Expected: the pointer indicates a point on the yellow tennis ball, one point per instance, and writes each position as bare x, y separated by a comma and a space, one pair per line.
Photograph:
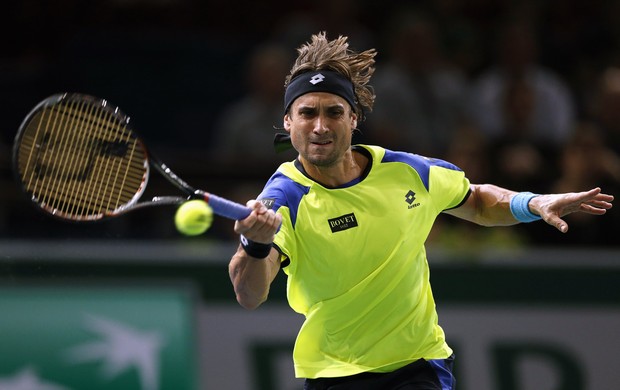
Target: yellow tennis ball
193, 217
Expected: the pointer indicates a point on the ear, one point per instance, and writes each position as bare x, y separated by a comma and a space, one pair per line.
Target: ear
287, 123
354, 121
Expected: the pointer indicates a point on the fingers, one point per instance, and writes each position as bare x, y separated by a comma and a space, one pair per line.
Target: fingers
592, 202
602, 201
265, 227
561, 226
595, 208
256, 205
556, 221
261, 225
595, 202
595, 195
594, 191
585, 196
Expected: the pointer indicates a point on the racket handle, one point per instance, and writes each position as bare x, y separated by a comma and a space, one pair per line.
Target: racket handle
227, 208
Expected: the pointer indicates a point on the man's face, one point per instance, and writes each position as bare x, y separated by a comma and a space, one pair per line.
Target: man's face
321, 126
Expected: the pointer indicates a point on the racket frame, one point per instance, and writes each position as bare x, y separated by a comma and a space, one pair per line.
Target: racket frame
221, 206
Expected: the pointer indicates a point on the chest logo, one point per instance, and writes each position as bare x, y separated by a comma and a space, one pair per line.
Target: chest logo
343, 222
411, 200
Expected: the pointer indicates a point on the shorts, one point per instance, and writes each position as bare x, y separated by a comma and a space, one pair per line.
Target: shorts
419, 375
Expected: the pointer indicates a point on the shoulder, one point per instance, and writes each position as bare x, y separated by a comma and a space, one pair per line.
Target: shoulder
422, 165
285, 187
418, 162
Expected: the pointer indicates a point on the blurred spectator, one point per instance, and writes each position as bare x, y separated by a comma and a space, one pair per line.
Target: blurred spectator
422, 95
605, 107
585, 160
546, 102
517, 159
593, 155
461, 27
576, 40
246, 129
469, 151
336, 17
525, 110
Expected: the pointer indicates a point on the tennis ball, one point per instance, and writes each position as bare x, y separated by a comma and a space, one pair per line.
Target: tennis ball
193, 217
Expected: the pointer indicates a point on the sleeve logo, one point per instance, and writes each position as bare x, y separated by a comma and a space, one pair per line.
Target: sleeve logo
268, 202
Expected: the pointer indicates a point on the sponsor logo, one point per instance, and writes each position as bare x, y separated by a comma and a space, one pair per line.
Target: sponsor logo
268, 202
317, 78
411, 200
343, 222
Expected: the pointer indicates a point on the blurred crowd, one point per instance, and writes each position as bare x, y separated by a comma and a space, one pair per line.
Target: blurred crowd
522, 94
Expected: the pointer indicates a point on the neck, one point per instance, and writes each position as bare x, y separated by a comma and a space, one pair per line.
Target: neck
350, 167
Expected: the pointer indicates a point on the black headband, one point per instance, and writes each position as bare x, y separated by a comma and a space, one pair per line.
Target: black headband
320, 81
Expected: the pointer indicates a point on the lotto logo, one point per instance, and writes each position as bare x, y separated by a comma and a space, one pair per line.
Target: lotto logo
317, 78
410, 198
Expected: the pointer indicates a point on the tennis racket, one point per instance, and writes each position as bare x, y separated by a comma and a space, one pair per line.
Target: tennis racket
78, 159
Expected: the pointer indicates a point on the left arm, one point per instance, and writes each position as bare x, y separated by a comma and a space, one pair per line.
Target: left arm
489, 205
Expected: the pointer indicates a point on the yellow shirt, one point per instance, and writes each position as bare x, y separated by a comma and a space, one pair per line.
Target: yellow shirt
356, 262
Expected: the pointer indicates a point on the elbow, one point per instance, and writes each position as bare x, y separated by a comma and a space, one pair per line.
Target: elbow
249, 301
484, 222
251, 285
248, 296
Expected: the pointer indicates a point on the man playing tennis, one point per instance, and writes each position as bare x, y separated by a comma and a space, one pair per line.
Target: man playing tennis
347, 224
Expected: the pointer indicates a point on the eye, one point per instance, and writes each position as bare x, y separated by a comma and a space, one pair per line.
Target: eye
307, 112
335, 112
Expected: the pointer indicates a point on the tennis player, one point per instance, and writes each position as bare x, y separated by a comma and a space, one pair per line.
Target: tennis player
347, 224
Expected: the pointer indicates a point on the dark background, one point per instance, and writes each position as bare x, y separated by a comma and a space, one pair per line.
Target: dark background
174, 66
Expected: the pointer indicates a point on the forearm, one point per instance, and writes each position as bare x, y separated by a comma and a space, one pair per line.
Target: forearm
487, 205
494, 205
256, 263
251, 277
490, 205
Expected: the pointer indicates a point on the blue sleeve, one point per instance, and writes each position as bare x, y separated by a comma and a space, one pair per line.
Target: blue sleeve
421, 164
281, 191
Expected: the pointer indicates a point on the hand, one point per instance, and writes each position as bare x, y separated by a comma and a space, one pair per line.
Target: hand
555, 206
261, 225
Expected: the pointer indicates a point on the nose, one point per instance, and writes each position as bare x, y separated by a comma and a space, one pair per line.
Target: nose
320, 125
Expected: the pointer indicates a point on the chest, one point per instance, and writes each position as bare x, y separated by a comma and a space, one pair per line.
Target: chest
367, 220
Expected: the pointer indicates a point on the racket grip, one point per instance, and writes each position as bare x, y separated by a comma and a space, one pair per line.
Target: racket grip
227, 208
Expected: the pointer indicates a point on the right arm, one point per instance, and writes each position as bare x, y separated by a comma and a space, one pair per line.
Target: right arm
489, 205
251, 276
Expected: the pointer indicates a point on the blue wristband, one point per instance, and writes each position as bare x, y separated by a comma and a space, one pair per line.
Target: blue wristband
255, 249
519, 207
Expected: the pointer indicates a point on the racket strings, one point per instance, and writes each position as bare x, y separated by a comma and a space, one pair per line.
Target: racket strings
101, 183
79, 159
127, 177
62, 195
